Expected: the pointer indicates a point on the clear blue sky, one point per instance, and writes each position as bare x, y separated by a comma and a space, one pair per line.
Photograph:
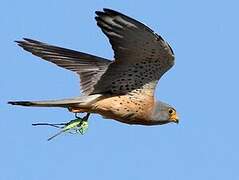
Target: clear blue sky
203, 85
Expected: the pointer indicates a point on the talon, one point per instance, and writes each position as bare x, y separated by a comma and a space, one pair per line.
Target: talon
76, 116
86, 117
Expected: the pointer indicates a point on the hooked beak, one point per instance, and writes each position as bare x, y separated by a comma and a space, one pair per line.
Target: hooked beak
174, 118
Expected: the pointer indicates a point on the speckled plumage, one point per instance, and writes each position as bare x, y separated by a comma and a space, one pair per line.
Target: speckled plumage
122, 89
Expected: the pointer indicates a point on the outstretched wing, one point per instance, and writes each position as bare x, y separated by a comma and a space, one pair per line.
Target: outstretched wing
89, 67
141, 56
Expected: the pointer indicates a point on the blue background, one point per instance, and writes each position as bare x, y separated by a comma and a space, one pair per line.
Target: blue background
203, 86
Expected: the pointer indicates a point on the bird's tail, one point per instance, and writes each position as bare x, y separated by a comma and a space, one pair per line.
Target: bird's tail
82, 101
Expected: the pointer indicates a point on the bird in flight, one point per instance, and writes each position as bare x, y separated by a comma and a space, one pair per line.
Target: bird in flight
121, 89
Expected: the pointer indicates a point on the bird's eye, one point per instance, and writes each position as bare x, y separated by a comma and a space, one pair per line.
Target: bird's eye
171, 111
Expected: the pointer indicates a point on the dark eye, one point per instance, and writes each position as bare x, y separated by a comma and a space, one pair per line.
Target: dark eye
170, 111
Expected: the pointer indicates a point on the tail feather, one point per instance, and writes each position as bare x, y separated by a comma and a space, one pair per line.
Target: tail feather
21, 103
82, 101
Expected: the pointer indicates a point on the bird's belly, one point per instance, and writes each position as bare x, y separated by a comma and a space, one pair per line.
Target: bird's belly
125, 109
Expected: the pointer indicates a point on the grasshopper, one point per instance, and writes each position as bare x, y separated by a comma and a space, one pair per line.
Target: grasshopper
77, 125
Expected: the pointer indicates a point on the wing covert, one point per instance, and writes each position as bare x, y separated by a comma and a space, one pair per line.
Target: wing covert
141, 56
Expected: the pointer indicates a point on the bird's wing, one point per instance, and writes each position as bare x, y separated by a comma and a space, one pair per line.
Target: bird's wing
141, 56
89, 67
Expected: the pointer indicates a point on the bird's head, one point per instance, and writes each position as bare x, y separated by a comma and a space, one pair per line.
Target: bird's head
164, 113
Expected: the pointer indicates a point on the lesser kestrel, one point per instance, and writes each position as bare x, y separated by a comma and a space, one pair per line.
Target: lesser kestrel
121, 89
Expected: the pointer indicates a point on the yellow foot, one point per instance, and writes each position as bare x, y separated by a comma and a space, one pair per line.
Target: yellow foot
75, 110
